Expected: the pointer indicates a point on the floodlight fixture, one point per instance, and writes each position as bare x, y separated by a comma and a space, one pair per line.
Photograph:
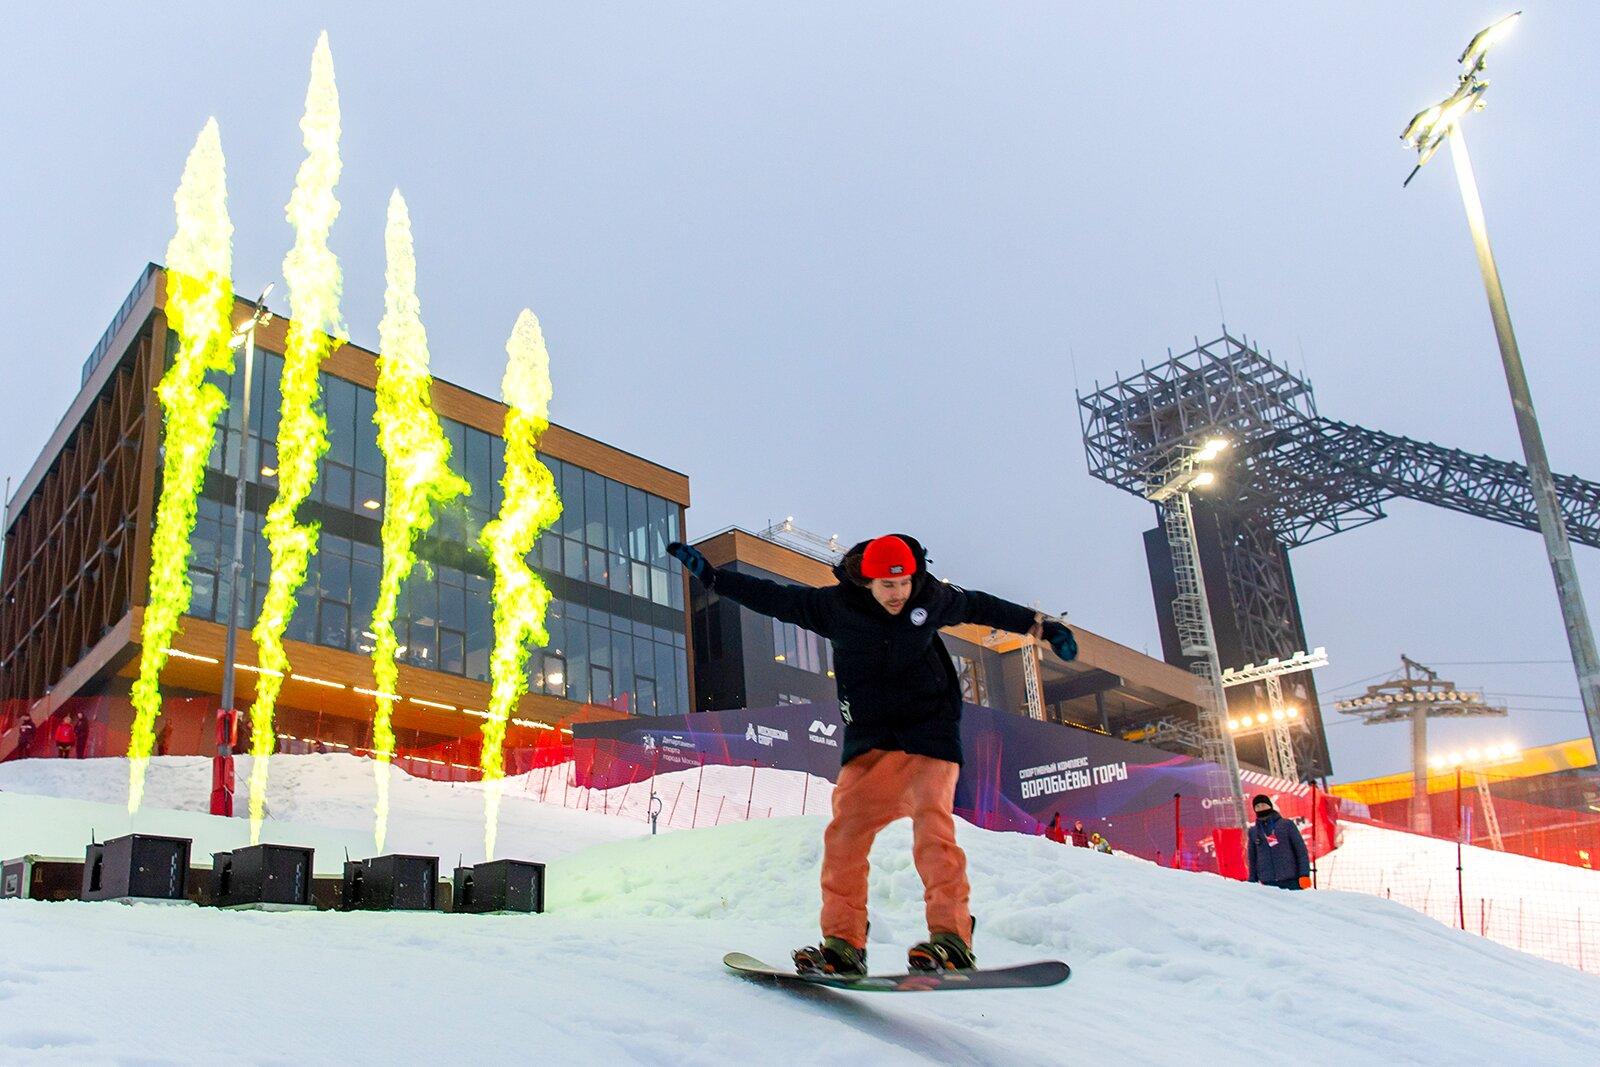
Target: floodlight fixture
1477, 50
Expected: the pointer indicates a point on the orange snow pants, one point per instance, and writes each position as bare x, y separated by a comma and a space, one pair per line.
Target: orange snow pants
874, 790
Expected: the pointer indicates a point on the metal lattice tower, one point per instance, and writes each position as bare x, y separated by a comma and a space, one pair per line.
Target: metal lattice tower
1277, 722
1196, 640
826, 549
1292, 477
1030, 679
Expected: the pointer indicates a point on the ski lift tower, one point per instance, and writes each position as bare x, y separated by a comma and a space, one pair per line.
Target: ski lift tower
1417, 697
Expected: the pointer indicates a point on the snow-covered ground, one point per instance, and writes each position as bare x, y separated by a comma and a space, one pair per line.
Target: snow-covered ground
625, 967
332, 791
1549, 909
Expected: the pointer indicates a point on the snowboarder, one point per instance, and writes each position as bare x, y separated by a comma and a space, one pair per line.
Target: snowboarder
66, 736
1099, 844
1055, 831
1080, 836
900, 699
1277, 853
80, 730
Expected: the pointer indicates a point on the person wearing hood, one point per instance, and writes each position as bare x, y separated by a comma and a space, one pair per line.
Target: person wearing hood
1079, 836
1055, 831
900, 699
1277, 853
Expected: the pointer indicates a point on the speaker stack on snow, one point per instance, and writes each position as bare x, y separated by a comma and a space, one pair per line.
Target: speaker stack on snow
498, 887
264, 877
41, 878
137, 867
390, 883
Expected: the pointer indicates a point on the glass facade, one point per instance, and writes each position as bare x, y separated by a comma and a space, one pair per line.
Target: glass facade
616, 624
801, 648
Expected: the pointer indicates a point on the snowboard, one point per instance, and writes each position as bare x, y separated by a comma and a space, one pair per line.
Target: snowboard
1022, 976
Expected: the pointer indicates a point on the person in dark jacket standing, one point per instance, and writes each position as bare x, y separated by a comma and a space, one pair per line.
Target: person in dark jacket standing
1080, 836
25, 730
1277, 852
900, 699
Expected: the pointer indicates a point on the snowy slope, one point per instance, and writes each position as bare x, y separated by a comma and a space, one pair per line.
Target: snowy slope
332, 791
1170, 967
1549, 909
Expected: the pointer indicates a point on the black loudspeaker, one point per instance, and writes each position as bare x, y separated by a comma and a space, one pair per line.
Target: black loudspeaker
390, 883
262, 876
499, 886
138, 866
38, 878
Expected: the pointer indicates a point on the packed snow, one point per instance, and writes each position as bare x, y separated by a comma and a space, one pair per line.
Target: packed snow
1549, 909
625, 967
333, 791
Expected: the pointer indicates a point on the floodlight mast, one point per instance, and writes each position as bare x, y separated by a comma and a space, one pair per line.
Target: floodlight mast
1426, 131
1169, 489
227, 715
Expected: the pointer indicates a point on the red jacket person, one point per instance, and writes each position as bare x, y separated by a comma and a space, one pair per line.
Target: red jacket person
900, 699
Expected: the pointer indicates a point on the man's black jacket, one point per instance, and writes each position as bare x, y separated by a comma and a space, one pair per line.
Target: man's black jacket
898, 689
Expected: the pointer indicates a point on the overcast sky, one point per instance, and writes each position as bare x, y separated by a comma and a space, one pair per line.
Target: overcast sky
848, 262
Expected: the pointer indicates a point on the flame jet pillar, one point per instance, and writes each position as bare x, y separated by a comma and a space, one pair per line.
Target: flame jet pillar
315, 329
198, 307
529, 507
417, 474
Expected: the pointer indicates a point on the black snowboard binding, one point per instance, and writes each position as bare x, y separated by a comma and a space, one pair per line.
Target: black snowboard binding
943, 952
834, 956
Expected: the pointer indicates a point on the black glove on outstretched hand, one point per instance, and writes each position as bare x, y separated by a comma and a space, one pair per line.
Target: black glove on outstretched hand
693, 562
1060, 638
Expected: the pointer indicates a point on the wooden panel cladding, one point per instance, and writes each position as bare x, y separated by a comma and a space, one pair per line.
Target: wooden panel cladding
356, 364
420, 689
732, 545
70, 567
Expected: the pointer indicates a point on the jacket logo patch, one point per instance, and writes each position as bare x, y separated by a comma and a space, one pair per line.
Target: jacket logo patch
919, 616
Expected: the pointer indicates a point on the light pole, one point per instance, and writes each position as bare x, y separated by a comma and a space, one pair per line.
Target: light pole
227, 714
1426, 131
1169, 489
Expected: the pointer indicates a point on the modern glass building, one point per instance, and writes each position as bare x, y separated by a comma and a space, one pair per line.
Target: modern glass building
618, 624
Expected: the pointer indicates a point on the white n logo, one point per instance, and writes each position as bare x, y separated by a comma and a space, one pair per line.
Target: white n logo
825, 729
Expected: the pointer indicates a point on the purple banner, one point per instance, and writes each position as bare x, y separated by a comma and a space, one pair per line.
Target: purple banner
1017, 772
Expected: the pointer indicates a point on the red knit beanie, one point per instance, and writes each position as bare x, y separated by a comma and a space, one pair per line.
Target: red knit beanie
888, 557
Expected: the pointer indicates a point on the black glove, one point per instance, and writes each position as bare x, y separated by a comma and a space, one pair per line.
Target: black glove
1061, 640
693, 562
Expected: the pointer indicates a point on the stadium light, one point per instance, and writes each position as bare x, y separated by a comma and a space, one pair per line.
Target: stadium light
227, 716
1426, 131
1472, 57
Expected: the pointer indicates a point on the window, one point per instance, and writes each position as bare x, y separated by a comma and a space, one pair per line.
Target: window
801, 648
616, 518
594, 509
478, 471
973, 687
